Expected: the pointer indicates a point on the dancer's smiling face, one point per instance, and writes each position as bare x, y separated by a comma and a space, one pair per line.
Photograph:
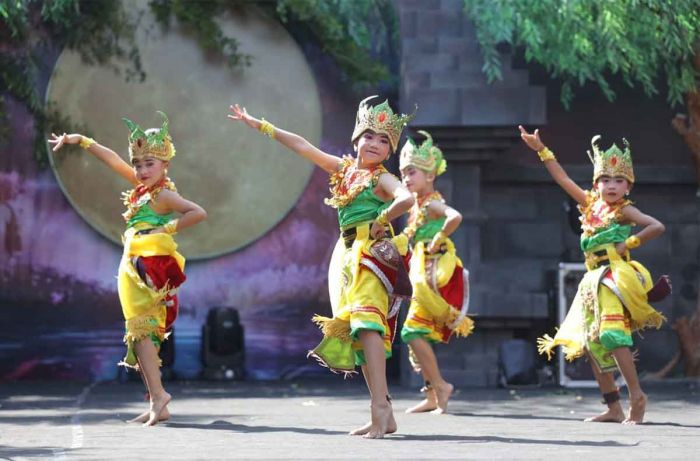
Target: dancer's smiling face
149, 171
373, 148
417, 180
612, 188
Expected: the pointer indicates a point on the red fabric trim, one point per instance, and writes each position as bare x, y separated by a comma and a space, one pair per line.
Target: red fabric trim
453, 292
163, 270
388, 272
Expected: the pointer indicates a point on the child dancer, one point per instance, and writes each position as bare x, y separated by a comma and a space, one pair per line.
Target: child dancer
437, 309
365, 266
612, 299
151, 269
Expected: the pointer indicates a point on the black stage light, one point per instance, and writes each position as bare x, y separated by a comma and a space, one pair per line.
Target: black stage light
223, 345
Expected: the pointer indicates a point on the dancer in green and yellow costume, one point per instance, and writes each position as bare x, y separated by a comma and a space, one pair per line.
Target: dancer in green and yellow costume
151, 269
366, 266
613, 298
438, 307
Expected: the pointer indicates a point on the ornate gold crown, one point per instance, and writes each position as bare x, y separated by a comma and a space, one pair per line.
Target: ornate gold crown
381, 120
426, 157
612, 162
154, 142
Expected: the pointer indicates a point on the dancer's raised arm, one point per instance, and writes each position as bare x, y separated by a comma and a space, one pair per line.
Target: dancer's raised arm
534, 142
329, 163
107, 155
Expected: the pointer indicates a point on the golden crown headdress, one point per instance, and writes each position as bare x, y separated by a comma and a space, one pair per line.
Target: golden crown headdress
612, 162
426, 157
381, 120
154, 142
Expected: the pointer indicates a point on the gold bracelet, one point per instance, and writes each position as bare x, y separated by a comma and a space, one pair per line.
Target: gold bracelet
267, 128
171, 227
383, 218
86, 142
632, 242
546, 154
439, 239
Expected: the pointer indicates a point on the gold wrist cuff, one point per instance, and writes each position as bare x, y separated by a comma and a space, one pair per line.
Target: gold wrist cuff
171, 227
632, 242
546, 154
267, 128
440, 238
86, 142
383, 217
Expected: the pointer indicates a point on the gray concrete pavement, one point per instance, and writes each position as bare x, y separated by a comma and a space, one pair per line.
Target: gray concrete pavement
72, 421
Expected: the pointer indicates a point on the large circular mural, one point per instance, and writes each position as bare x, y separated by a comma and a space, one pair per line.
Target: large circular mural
246, 182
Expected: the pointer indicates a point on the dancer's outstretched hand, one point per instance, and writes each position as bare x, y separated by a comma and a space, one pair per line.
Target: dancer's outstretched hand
58, 141
532, 140
239, 113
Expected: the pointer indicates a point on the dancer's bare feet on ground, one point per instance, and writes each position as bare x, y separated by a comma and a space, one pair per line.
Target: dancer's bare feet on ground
158, 403
382, 417
428, 404
362, 430
637, 408
367, 428
443, 393
613, 415
143, 417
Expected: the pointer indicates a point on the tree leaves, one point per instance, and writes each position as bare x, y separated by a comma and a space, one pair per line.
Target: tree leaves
647, 43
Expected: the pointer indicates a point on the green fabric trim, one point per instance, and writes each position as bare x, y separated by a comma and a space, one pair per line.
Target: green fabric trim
615, 233
357, 325
335, 353
613, 339
428, 230
145, 214
603, 359
409, 334
366, 207
361, 360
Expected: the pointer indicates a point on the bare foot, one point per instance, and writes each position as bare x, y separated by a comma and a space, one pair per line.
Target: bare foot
362, 430
637, 408
443, 393
382, 416
613, 415
143, 417
157, 405
427, 404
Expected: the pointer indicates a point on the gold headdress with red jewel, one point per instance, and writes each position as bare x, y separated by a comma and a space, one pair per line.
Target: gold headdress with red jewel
154, 142
427, 157
612, 162
380, 119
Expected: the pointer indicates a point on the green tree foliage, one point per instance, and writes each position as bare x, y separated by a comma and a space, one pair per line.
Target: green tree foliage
199, 18
99, 30
649, 43
353, 32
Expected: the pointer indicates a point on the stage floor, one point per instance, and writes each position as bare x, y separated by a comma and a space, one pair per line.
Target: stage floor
73, 421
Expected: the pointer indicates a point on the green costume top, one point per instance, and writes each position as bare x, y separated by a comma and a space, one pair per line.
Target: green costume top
138, 204
421, 227
600, 222
145, 214
352, 193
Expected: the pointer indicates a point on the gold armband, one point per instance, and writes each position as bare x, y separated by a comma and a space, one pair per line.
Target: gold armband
267, 128
546, 154
440, 238
86, 142
632, 242
171, 227
383, 218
